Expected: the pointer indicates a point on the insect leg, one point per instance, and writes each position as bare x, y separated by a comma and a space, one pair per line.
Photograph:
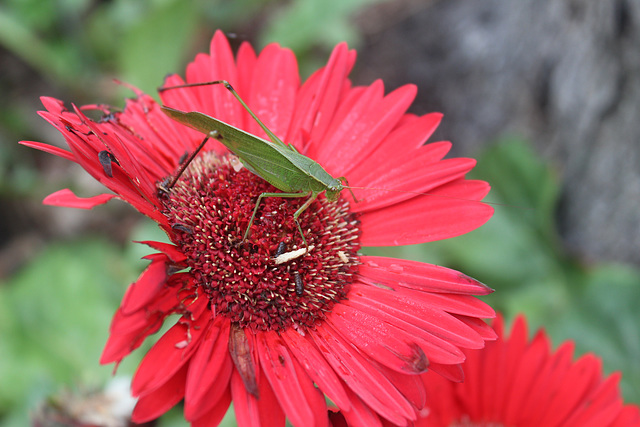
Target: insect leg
303, 208
343, 179
186, 162
283, 195
230, 88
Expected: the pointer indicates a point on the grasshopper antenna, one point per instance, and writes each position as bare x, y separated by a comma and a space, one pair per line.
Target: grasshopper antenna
444, 196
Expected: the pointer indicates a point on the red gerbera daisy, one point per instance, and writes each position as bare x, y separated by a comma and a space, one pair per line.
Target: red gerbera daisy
275, 338
520, 383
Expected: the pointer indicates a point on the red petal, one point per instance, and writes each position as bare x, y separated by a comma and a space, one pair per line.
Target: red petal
149, 153
56, 151
551, 374
152, 405
173, 350
130, 180
251, 411
67, 199
452, 304
215, 100
419, 276
352, 106
121, 343
377, 339
128, 331
360, 414
209, 371
217, 413
453, 373
302, 403
362, 128
480, 326
147, 287
521, 377
407, 137
573, 389
600, 407
318, 97
411, 386
628, 417
447, 211
54, 105
411, 177
436, 348
223, 66
273, 91
433, 322
317, 367
170, 250
177, 98
246, 60
363, 378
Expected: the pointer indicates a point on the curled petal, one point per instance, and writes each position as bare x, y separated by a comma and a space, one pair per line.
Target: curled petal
51, 149
67, 199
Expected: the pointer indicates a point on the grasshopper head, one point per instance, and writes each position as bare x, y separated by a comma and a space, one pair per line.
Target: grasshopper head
332, 193
334, 188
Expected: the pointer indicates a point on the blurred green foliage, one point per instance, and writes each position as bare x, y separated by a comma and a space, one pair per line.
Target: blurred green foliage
54, 321
54, 314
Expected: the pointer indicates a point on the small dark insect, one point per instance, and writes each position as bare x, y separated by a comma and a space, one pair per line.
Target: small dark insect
282, 246
163, 190
182, 227
299, 283
74, 131
183, 158
109, 117
106, 158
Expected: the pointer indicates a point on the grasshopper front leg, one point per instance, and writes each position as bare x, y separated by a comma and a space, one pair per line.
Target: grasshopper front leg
296, 215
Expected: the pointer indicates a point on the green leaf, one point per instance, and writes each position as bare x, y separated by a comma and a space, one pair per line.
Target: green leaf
305, 24
604, 320
156, 45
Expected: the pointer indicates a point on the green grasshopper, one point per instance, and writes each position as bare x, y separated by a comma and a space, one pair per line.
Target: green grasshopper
281, 165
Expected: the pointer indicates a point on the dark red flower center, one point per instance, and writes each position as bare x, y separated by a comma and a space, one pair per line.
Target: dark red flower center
271, 280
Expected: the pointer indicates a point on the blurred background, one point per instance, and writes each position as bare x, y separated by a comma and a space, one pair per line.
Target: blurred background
544, 93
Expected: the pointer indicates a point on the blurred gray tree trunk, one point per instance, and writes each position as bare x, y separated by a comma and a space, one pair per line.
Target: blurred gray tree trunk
563, 73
